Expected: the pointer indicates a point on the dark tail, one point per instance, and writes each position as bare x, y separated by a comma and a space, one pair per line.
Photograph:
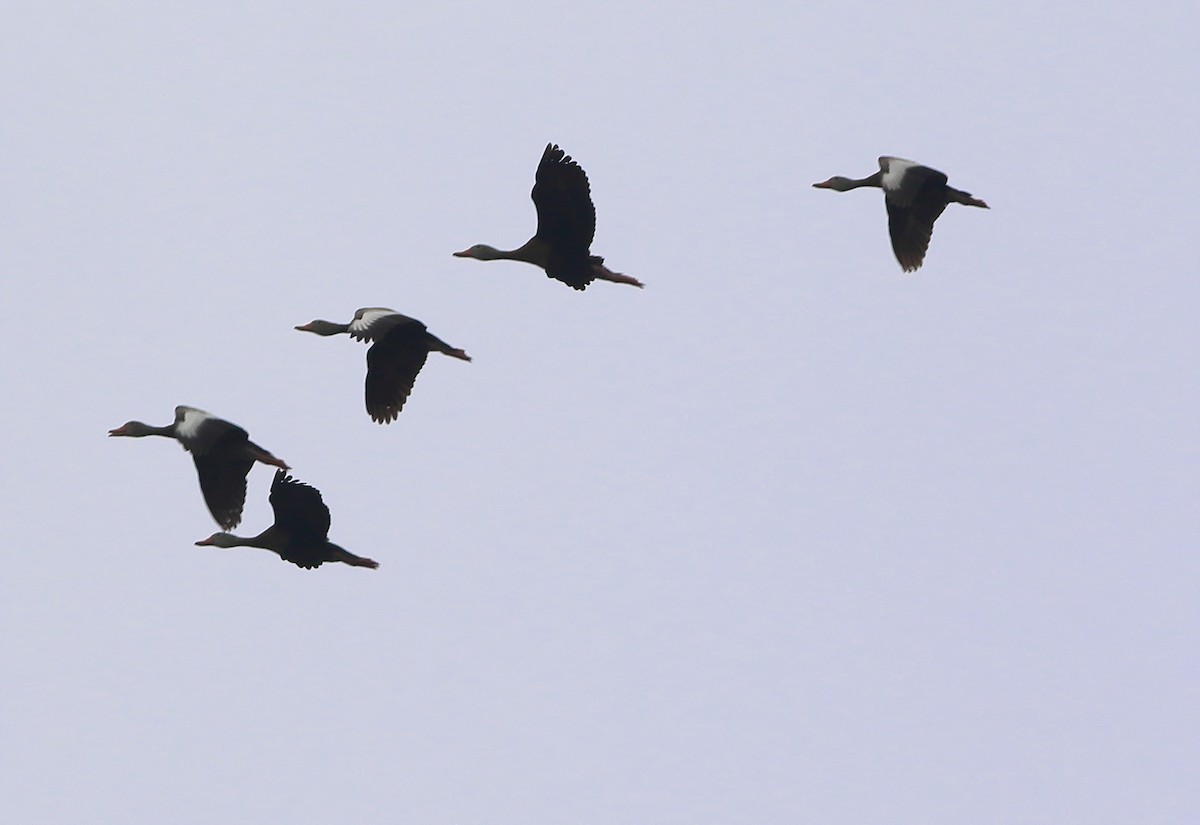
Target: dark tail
265, 456
343, 555
965, 198
599, 270
442, 347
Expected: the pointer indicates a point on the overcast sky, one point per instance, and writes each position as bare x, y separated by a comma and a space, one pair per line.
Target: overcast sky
787, 536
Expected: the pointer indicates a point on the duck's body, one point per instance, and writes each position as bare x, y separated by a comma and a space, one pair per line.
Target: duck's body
566, 225
399, 347
300, 534
223, 454
915, 197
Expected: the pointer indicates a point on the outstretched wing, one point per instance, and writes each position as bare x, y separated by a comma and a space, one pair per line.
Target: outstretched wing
218, 449
566, 216
223, 482
910, 229
299, 509
915, 199
392, 366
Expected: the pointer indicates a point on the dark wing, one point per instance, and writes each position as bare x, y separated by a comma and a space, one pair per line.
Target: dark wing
574, 270
566, 216
912, 210
223, 482
300, 512
222, 461
392, 366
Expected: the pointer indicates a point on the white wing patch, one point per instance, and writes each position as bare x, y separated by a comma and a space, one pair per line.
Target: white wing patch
894, 170
188, 421
365, 319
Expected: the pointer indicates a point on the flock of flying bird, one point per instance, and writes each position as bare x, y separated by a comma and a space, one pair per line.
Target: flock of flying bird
915, 197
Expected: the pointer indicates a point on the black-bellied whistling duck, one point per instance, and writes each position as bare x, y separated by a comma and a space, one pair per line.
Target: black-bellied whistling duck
566, 225
223, 453
915, 196
300, 533
399, 349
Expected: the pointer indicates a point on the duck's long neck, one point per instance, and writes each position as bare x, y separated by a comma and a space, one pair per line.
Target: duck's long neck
136, 429
530, 252
875, 180
229, 540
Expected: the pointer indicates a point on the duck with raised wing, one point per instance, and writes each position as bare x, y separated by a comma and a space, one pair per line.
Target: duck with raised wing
566, 225
300, 533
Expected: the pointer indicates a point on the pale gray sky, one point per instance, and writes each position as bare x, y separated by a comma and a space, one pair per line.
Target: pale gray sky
788, 536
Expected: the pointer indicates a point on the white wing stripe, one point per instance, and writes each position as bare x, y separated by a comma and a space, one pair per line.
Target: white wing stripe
894, 170
188, 422
365, 319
